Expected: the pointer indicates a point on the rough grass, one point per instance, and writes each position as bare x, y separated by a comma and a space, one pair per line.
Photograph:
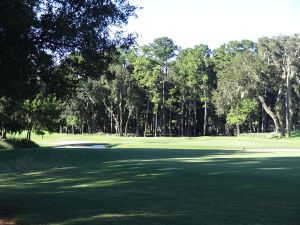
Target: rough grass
17, 144
136, 182
5, 145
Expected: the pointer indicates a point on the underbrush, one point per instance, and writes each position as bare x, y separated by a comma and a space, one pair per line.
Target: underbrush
271, 135
260, 135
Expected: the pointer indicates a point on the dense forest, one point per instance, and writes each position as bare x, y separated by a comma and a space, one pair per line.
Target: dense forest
62, 69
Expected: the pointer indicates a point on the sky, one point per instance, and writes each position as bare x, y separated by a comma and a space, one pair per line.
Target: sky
213, 22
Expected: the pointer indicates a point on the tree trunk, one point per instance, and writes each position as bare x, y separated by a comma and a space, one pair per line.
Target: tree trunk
280, 102
205, 118
263, 120
195, 118
146, 118
82, 128
117, 127
89, 128
152, 124
120, 116
170, 125
3, 134
163, 110
164, 91
137, 133
155, 126
28, 136
238, 131
111, 119
278, 128
299, 103
251, 127
288, 116
126, 124
182, 119
188, 119
116, 119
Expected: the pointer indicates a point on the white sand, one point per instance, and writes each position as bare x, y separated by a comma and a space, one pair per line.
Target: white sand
77, 144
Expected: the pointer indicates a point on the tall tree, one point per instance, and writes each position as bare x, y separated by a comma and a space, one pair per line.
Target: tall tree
18, 55
43, 32
147, 73
222, 65
162, 51
283, 53
236, 82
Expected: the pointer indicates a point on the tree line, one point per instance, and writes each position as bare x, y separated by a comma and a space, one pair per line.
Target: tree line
63, 71
163, 90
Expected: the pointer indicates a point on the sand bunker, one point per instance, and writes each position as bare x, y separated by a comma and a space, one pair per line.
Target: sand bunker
87, 146
78, 144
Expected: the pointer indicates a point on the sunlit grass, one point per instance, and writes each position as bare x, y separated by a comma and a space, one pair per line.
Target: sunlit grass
173, 142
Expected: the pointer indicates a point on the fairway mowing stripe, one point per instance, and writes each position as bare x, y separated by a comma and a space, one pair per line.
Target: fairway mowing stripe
272, 150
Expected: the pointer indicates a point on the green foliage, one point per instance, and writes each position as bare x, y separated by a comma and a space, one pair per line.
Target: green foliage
235, 117
18, 56
239, 80
72, 120
223, 55
67, 26
66, 49
192, 69
282, 54
240, 113
11, 115
46, 47
162, 49
42, 113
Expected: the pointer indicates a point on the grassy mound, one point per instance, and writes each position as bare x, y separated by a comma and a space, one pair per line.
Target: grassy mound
17, 143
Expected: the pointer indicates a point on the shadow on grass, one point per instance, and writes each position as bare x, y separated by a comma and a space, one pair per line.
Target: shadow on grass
149, 186
17, 144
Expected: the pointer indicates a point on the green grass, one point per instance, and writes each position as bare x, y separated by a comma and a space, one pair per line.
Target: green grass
175, 142
162, 181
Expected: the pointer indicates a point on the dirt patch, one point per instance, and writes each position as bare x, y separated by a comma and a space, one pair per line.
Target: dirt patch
6, 215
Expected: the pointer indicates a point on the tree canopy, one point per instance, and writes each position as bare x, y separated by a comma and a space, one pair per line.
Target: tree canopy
66, 65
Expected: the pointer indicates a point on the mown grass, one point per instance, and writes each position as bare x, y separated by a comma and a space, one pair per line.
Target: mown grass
136, 182
175, 142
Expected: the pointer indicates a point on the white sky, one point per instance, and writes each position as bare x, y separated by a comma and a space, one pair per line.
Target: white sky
213, 22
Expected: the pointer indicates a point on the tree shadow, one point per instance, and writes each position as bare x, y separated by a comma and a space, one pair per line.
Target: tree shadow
150, 186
